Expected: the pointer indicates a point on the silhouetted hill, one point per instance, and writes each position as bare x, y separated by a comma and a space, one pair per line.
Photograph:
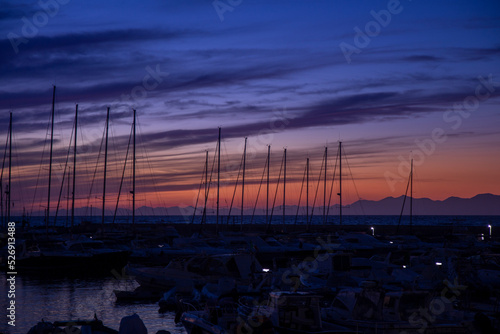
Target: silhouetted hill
482, 204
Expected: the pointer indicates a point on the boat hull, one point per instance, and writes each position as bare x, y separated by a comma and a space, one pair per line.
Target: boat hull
102, 263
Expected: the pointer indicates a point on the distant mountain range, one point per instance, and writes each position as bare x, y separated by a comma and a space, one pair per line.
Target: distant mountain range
483, 204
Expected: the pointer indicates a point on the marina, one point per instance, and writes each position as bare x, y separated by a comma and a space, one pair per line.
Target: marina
336, 266
249, 167
216, 270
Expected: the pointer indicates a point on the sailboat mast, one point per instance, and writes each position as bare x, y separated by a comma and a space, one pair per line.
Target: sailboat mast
68, 217
10, 168
284, 187
206, 174
50, 157
411, 194
133, 176
218, 181
267, 197
340, 182
105, 169
74, 170
204, 216
307, 193
1, 190
324, 187
243, 180
1, 187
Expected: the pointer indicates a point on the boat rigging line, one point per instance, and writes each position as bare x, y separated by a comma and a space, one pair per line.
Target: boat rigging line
236, 186
204, 216
354, 183
95, 171
260, 186
105, 170
300, 195
243, 182
74, 170
331, 188
284, 188
410, 182
40, 169
50, 159
199, 190
64, 174
317, 186
276, 192
123, 175
1, 176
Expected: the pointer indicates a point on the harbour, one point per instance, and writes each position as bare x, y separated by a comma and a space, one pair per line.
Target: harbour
309, 256
249, 167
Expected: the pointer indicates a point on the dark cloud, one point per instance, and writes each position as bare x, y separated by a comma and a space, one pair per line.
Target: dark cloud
482, 23
82, 42
112, 91
354, 109
15, 10
476, 54
384, 55
423, 58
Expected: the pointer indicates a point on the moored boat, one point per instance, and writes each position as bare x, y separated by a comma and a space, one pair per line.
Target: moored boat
82, 255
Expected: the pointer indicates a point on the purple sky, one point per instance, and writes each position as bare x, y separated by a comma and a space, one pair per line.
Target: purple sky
381, 76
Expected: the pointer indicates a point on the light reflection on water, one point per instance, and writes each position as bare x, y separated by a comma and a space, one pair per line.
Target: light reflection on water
54, 299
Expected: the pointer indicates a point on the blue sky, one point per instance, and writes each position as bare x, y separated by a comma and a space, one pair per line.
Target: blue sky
270, 70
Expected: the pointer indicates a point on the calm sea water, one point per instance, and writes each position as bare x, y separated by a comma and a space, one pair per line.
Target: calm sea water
79, 298
72, 298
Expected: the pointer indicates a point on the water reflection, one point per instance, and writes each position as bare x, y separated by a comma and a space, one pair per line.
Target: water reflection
55, 299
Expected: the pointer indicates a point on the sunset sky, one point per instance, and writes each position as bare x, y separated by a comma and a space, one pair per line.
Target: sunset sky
389, 79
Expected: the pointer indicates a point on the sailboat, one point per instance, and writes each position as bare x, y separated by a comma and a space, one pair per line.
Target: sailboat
6, 219
50, 159
81, 255
409, 185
